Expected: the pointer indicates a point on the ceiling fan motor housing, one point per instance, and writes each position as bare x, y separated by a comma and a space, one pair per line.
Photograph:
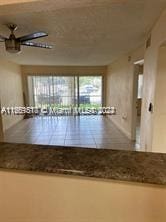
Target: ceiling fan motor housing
12, 46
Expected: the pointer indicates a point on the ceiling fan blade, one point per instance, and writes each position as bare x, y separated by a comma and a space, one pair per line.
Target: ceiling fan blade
39, 45
2, 38
31, 36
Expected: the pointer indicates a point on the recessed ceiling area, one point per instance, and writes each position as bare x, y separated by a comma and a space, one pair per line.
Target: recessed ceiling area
81, 32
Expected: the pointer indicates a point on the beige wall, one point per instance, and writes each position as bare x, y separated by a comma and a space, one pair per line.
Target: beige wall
159, 130
120, 80
119, 91
158, 36
63, 70
38, 198
10, 90
1, 129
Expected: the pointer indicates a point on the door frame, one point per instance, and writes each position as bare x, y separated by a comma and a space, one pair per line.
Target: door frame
1, 126
134, 103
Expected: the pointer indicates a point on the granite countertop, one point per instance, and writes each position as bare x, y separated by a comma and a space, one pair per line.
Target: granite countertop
97, 163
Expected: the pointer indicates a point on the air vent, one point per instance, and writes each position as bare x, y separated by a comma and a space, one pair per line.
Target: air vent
148, 42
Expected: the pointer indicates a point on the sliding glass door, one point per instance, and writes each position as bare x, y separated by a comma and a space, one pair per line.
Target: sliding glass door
52, 91
65, 91
90, 91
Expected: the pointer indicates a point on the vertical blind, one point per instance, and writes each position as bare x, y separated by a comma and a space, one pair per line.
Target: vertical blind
65, 91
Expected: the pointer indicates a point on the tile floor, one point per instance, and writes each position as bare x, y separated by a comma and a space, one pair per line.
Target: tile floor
80, 131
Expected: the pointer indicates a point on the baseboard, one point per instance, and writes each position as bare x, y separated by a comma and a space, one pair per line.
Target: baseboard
14, 123
128, 134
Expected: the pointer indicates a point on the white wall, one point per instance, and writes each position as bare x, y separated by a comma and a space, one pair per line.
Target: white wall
120, 87
46, 198
11, 93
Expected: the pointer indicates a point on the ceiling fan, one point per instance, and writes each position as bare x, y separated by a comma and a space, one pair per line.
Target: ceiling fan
13, 44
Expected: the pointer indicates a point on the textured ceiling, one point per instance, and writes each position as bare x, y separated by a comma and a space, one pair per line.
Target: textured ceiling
82, 32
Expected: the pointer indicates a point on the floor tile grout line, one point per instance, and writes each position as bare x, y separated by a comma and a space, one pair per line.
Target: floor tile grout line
31, 134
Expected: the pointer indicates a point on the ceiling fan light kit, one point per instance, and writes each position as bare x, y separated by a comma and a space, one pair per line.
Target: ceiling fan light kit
13, 44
